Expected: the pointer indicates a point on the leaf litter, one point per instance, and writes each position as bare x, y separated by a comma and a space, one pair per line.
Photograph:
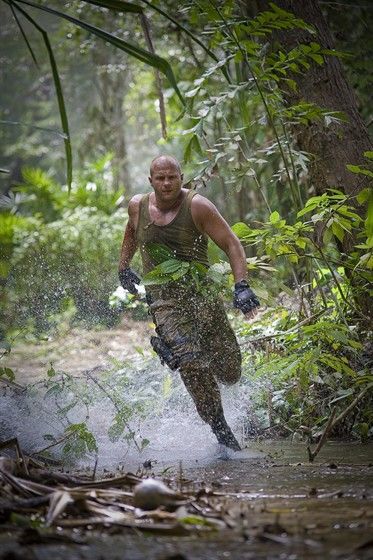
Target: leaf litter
49, 507
131, 501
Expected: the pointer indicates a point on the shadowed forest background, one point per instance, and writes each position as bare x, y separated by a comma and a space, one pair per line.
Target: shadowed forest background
268, 107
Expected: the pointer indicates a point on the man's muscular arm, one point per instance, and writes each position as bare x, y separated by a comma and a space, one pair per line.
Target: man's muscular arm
129, 244
209, 221
127, 277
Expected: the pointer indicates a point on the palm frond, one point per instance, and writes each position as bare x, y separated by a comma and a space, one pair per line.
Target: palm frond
117, 5
58, 86
131, 49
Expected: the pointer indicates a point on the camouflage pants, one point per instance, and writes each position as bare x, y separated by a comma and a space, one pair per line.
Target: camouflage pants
197, 331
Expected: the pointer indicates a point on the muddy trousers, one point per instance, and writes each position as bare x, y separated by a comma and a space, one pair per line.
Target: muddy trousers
204, 390
196, 331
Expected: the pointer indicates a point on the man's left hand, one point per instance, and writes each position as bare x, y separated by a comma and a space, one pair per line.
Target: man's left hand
245, 299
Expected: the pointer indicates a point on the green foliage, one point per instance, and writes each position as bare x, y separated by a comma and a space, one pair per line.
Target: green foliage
276, 238
80, 441
297, 243
8, 373
40, 196
71, 259
122, 391
58, 248
214, 281
251, 100
307, 368
9, 223
366, 197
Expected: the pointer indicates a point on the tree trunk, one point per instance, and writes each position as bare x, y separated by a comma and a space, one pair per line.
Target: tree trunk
331, 147
336, 145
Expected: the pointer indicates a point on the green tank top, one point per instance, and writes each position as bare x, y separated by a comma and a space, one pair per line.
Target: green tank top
180, 235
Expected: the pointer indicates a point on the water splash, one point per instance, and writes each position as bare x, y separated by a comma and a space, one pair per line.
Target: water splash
163, 413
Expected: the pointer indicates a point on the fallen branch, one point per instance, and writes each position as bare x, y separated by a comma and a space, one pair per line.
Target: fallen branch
352, 405
328, 427
57, 442
19, 453
284, 333
331, 424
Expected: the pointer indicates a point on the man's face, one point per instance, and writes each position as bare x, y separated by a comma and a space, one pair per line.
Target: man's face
166, 180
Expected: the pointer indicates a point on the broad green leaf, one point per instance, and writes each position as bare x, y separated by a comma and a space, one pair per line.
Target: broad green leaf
274, 217
199, 268
170, 266
159, 252
58, 86
354, 168
301, 242
117, 5
241, 230
8, 373
51, 371
364, 195
317, 58
338, 231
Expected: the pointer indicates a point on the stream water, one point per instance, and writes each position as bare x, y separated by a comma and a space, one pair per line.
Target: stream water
283, 507
157, 408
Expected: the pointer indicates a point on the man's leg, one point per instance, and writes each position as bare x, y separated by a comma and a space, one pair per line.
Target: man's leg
222, 347
204, 390
183, 343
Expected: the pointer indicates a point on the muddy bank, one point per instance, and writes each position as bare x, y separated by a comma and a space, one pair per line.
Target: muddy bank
78, 349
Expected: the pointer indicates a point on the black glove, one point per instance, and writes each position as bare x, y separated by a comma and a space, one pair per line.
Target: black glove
128, 279
244, 298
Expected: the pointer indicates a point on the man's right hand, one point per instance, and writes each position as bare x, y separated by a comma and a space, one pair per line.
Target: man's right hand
128, 280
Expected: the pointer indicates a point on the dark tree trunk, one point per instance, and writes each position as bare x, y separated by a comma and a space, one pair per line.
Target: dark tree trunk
334, 146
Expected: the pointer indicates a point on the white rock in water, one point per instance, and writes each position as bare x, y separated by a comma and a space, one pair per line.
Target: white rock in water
150, 494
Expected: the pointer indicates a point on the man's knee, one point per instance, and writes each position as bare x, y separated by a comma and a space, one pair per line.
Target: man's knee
231, 377
229, 370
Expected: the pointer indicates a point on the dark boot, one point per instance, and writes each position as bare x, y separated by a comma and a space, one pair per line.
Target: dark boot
224, 434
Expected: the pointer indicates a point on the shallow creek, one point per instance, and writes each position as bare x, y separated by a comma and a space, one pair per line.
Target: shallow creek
282, 506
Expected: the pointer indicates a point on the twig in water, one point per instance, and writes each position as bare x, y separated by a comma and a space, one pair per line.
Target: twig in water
328, 427
95, 468
352, 404
20, 457
333, 422
57, 442
180, 476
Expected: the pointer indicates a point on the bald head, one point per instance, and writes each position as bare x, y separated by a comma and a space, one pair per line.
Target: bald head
163, 161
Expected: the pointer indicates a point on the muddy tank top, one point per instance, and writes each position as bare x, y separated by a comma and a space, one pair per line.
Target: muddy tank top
180, 235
